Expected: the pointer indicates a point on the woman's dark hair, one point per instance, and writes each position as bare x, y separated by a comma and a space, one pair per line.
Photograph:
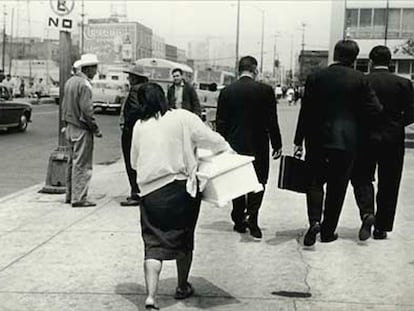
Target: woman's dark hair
177, 70
151, 98
346, 52
380, 55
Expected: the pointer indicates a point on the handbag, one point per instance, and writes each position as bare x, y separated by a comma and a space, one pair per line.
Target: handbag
293, 174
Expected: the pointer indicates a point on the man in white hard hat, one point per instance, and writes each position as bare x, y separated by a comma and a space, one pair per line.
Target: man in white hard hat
81, 127
130, 112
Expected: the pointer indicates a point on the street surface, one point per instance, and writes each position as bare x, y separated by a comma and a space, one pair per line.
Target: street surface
25, 156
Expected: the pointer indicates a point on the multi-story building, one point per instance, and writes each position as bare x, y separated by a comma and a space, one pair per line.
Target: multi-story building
115, 42
376, 22
171, 53
158, 46
181, 56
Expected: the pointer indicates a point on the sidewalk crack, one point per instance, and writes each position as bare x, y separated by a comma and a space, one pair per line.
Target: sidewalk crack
305, 264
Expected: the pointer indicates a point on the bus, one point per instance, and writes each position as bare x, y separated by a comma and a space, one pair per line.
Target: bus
160, 70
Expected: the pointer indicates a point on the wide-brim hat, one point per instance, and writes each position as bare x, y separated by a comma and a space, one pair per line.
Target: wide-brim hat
76, 64
137, 70
87, 60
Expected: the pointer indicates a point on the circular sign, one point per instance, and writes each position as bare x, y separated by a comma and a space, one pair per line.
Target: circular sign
62, 7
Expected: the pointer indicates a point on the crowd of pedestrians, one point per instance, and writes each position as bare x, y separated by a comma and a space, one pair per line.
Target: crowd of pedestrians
350, 125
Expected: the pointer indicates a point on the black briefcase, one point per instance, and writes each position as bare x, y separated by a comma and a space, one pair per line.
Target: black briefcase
293, 174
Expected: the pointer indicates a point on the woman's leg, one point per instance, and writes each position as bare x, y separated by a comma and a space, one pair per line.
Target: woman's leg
152, 269
183, 269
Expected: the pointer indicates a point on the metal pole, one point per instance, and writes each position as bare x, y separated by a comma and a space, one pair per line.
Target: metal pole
261, 50
237, 38
274, 59
83, 28
56, 171
387, 12
11, 43
303, 52
4, 40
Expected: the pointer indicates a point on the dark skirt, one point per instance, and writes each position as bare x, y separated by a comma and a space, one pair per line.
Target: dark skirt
168, 219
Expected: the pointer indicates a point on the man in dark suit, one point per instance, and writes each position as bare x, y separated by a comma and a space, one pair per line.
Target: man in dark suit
335, 102
383, 148
130, 112
247, 118
182, 95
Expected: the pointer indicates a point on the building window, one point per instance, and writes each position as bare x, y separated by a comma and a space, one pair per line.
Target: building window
379, 23
408, 23
366, 23
404, 66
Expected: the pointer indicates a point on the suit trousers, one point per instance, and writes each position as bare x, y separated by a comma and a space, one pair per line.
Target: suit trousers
126, 141
79, 168
247, 205
333, 168
389, 159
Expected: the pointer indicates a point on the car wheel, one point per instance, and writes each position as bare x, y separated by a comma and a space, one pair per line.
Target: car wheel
23, 123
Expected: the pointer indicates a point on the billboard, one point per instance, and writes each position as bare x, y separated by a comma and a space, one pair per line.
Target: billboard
112, 43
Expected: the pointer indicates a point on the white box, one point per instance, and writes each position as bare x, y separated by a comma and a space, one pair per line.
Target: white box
226, 176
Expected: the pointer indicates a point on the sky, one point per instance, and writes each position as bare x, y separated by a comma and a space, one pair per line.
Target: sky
179, 22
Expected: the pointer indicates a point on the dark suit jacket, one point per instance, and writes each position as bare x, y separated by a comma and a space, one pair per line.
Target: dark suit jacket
396, 96
131, 109
190, 98
247, 118
337, 101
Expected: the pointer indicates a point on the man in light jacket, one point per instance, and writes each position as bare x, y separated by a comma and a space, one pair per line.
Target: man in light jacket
81, 126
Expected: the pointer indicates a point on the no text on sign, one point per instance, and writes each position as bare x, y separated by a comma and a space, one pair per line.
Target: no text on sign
61, 8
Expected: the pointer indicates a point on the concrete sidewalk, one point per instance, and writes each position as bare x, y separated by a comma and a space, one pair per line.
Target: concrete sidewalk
54, 257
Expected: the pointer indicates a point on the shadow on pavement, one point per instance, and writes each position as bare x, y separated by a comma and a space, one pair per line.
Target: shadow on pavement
203, 288
224, 226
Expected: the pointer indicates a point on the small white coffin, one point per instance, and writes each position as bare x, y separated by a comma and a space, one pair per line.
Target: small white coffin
226, 176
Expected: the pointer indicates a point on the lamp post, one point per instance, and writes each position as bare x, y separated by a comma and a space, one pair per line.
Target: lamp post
237, 38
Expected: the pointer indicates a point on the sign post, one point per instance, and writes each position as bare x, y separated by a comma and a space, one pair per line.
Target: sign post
56, 172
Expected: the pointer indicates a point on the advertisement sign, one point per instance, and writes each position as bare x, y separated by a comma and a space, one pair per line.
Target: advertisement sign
112, 43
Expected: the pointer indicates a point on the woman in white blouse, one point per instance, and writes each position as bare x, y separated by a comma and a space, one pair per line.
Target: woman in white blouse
163, 154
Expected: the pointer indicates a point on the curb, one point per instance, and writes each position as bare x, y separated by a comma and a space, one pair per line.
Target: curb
20, 192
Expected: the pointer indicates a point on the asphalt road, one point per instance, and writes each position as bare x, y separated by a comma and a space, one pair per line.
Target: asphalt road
25, 156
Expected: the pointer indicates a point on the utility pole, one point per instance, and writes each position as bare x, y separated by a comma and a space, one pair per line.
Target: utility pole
237, 39
387, 13
30, 34
302, 52
11, 43
262, 44
274, 58
83, 28
3, 57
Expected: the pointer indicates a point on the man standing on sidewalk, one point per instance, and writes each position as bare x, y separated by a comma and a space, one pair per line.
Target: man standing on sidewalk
247, 119
130, 113
336, 99
383, 148
182, 95
81, 126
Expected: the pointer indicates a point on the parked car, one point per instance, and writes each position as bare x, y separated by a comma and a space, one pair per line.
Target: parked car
14, 114
109, 94
54, 93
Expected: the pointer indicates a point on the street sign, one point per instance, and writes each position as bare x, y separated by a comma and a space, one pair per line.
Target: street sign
60, 17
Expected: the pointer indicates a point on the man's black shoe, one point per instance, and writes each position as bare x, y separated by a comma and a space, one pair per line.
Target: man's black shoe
83, 204
130, 201
240, 227
380, 234
329, 238
310, 236
254, 230
367, 223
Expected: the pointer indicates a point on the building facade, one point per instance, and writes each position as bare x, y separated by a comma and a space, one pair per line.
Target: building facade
171, 53
376, 22
158, 47
118, 42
